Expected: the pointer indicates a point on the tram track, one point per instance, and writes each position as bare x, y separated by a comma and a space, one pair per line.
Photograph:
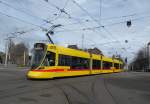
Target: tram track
87, 98
31, 90
103, 83
108, 90
58, 84
29, 87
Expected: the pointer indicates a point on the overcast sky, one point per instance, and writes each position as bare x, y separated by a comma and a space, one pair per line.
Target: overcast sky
30, 15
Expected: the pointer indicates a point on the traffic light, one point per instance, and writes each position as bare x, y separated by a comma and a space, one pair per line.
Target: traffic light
126, 60
129, 23
126, 41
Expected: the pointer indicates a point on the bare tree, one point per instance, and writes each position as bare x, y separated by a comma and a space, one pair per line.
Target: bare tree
21, 52
140, 62
11, 47
18, 53
2, 57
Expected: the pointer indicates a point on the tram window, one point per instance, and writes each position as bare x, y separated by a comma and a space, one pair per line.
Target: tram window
73, 62
96, 64
107, 65
49, 59
116, 66
64, 60
80, 63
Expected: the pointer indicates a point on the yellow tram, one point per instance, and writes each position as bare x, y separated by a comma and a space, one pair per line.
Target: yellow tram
50, 61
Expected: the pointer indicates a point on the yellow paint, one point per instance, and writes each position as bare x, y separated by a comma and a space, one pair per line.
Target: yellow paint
96, 71
73, 52
71, 73
54, 67
47, 75
96, 57
107, 59
107, 71
39, 75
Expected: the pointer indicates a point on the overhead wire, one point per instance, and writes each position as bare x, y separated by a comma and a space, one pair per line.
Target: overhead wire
97, 27
100, 19
88, 14
104, 43
23, 32
64, 11
27, 22
109, 18
112, 24
94, 27
20, 10
100, 26
59, 15
24, 21
100, 11
127, 15
17, 9
110, 34
106, 30
59, 9
67, 1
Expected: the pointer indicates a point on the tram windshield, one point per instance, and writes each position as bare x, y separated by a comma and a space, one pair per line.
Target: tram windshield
37, 57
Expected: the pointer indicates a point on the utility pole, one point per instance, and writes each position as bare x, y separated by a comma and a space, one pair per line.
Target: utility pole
126, 61
91, 64
148, 56
9, 49
6, 53
24, 58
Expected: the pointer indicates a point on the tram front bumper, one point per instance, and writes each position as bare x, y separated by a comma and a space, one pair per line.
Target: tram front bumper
39, 75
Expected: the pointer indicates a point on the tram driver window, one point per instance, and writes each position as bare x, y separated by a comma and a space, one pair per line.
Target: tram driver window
49, 59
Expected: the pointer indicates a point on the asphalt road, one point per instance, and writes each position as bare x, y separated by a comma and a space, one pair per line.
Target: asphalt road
117, 88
